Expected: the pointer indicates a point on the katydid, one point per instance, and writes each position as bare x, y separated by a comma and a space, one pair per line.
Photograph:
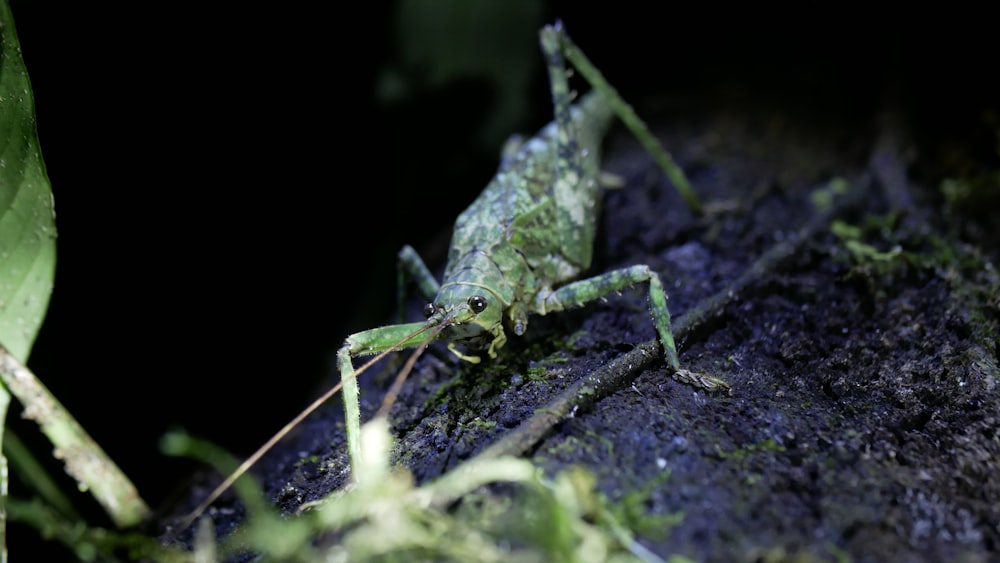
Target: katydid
518, 249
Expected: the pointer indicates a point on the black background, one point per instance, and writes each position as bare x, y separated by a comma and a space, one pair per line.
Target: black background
231, 192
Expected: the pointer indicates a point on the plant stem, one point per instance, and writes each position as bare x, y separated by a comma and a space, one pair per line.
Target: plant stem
85, 460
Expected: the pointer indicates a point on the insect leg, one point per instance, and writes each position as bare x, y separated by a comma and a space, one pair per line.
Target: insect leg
411, 267
584, 291
368, 342
635, 124
574, 190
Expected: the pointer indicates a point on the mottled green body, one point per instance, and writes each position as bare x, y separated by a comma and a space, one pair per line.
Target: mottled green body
507, 239
517, 249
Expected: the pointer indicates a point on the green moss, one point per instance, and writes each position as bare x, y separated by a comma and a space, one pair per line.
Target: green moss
536, 374
631, 510
864, 255
570, 445
823, 198
749, 450
608, 444
479, 423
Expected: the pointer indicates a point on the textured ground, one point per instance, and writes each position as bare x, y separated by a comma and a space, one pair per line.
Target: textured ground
861, 349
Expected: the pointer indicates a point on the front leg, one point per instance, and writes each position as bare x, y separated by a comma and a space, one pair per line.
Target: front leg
411, 267
584, 291
368, 342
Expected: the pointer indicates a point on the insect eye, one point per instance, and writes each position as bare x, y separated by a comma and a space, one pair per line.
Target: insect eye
478, 303
429, 310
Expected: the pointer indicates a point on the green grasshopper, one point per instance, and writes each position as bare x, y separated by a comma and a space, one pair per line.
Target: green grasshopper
517, 249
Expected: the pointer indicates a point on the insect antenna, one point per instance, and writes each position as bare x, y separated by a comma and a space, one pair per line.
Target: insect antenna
250, 461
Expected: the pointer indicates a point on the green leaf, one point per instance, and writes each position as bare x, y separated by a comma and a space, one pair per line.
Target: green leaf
27, 219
